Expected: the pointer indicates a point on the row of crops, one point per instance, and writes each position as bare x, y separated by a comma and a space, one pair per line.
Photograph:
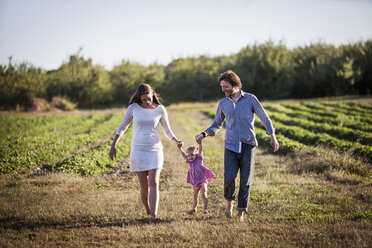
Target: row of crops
342, 126
343, 129
67, 143
80, 143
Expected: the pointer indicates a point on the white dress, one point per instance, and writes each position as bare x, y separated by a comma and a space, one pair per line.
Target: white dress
146, 148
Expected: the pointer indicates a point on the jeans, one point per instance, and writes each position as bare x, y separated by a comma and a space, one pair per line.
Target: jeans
232, 163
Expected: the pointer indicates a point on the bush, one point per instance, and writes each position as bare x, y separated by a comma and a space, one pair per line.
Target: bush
63, 103
39, 105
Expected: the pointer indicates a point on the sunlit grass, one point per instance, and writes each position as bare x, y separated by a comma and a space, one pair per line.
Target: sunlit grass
301, 199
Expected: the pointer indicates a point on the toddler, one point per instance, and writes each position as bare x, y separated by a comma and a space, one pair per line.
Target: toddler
198, 175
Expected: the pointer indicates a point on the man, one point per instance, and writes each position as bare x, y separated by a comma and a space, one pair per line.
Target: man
238, 108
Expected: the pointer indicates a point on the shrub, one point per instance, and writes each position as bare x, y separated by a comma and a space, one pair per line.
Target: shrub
63, 103
39, 105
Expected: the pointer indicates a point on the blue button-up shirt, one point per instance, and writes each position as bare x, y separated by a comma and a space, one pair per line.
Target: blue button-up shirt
239, 121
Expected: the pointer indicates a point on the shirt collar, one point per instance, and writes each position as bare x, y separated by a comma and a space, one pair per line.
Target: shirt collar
242, 94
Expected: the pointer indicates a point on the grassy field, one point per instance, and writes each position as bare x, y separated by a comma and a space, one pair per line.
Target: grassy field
58, 187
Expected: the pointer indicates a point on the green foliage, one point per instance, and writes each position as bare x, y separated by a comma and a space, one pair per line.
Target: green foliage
361, 216
95, 161
325, 116
361, 55
80, 81
268, 70
63, 103
126, 77
324, 70
191, 79
314, 70
364, 138
265, 70
51, 143
19, 84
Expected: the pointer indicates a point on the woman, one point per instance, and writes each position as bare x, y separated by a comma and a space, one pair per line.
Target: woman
146, 155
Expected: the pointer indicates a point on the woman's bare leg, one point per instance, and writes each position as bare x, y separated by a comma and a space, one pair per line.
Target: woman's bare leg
143, 180
153, 181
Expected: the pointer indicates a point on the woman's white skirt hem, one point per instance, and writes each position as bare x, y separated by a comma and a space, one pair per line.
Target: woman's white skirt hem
145, 160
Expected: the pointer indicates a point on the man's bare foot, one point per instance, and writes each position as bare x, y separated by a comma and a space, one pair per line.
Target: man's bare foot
229, 209
241, 216
206, 211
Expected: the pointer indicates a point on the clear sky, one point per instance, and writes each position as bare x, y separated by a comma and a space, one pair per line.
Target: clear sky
46, 32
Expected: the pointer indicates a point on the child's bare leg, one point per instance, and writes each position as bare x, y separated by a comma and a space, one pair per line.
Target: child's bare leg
142, 177
204, 190
195, 200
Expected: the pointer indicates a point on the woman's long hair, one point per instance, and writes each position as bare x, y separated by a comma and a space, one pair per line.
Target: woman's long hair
144, 89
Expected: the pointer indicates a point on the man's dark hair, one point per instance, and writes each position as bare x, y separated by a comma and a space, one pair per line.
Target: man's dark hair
232, 78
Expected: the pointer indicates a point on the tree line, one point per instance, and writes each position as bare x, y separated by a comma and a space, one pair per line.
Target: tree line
268, 70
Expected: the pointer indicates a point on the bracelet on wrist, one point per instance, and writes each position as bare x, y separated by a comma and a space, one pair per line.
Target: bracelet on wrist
204, 134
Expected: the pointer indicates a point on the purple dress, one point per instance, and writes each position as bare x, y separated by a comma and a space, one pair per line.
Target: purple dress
198, 173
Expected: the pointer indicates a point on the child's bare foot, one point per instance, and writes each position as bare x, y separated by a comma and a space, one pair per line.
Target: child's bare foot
192, 211
229, 209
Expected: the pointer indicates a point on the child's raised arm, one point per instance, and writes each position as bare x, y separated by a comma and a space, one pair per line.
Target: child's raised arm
182, 152
200, 148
